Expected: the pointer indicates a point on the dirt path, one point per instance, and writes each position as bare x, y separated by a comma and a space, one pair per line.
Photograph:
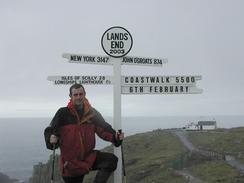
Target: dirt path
234, 163
182, 136
191, 178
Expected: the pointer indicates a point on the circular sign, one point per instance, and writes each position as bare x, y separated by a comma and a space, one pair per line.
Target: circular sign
117, 42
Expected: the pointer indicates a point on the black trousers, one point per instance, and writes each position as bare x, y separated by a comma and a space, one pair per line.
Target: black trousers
105, 163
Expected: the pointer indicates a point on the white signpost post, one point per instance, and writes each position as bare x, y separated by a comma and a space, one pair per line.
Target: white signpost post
117, 43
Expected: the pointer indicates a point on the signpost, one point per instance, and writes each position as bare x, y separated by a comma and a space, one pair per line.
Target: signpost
117, 43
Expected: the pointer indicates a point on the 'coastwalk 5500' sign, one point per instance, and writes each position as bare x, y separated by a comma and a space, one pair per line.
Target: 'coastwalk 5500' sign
117, 41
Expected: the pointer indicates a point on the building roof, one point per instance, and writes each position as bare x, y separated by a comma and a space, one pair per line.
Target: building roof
207, 123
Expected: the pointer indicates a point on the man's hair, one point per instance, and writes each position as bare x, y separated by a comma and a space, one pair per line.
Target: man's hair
76, 86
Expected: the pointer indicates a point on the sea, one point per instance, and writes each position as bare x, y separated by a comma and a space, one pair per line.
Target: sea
22, 141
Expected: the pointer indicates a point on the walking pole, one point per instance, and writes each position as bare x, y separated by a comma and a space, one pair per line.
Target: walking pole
53, 163
123, 161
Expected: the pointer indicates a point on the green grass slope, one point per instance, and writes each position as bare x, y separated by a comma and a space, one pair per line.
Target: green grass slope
154, 156
225, 141
149, 156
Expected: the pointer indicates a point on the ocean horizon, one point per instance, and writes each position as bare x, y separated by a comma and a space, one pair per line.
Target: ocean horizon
22, 141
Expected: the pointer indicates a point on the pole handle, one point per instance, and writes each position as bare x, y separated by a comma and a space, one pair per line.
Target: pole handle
53, 163
123, 160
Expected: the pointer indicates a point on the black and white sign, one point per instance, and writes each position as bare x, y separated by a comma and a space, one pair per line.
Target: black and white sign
107, 60
84, 80
88, 59
160, 89
160, 80
143, 61
117, 42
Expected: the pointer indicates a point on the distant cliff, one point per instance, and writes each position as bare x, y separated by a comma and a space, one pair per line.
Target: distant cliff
6, 179
42, 172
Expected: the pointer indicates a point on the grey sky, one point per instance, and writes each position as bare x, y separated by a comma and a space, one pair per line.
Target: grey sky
203, 37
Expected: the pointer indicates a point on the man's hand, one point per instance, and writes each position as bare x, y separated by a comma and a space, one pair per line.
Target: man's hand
53, 139
119, 136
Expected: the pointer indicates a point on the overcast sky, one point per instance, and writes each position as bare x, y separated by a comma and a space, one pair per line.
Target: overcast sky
198, 37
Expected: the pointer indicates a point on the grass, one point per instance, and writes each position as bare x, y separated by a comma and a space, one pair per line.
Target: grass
147, 156
216, 171
226, 141
150, 157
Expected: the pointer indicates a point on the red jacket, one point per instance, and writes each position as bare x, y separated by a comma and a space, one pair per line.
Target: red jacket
76, 134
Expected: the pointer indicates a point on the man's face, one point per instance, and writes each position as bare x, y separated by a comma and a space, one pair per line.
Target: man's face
77, 96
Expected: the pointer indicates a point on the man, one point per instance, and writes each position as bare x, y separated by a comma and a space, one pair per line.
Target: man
73, 129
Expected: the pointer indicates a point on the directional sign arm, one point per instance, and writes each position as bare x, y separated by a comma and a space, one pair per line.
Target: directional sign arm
160, 80
160, 89
84, 80
106, 60
143, 61
88, 59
